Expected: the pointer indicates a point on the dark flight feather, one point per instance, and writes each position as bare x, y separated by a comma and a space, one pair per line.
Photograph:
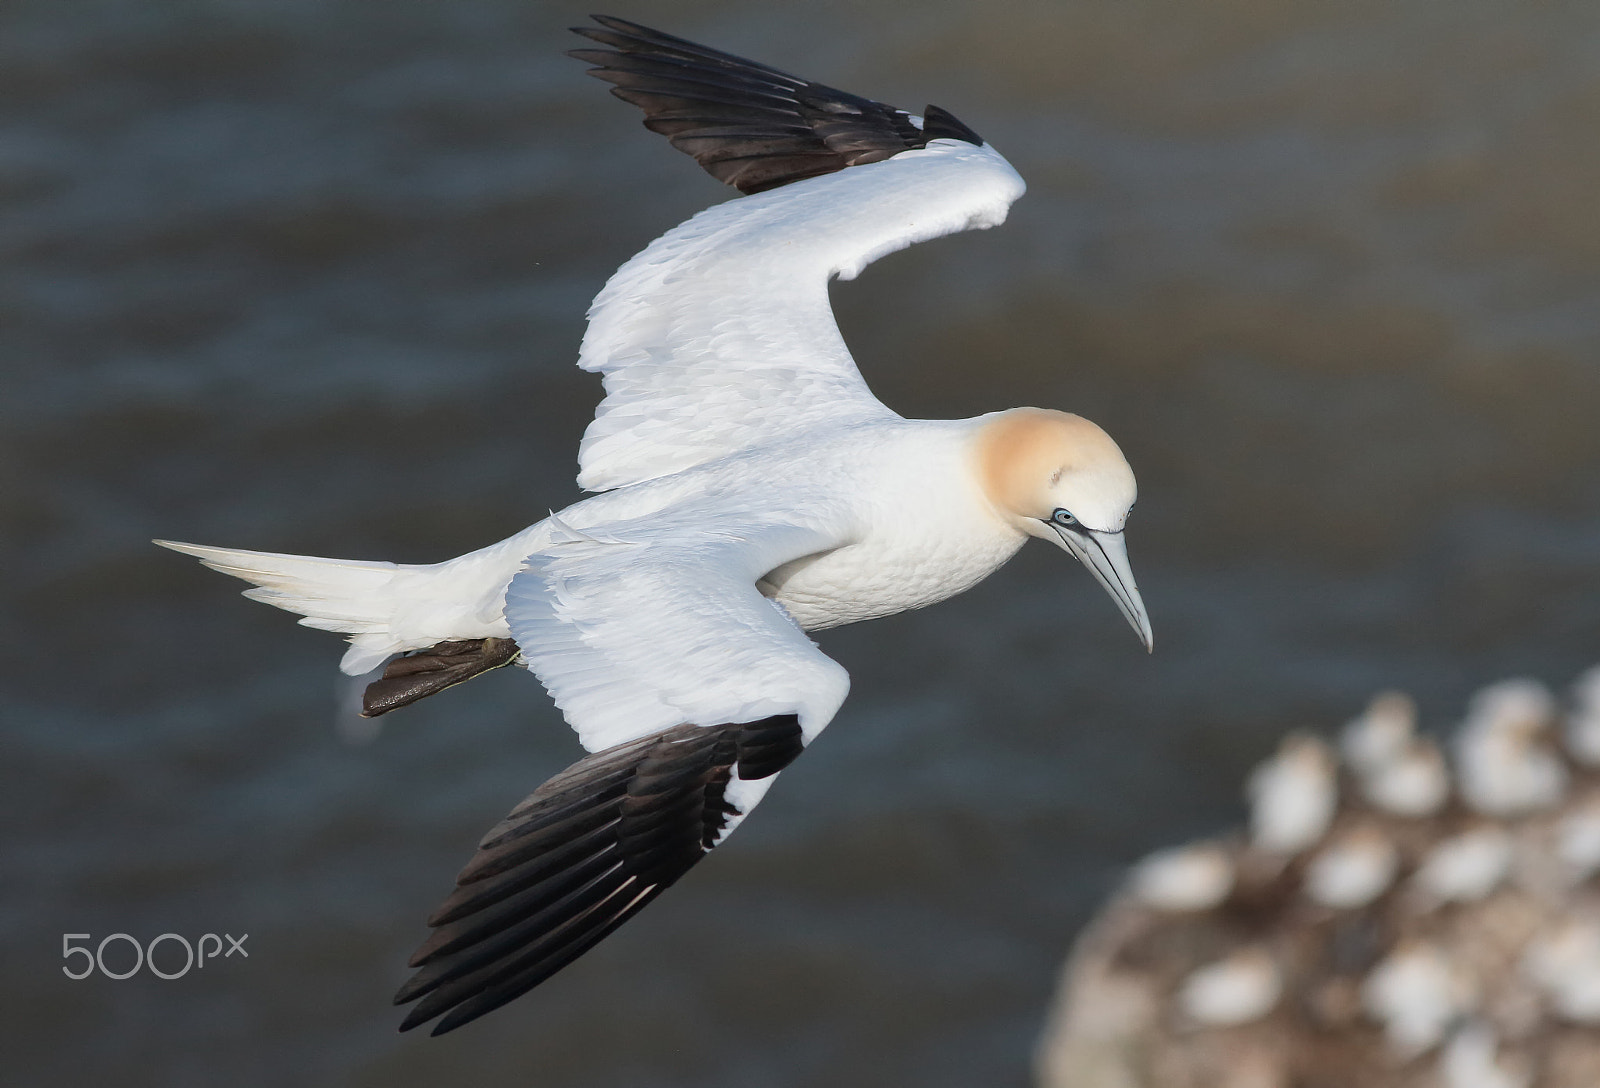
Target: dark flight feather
583, 854
749, 125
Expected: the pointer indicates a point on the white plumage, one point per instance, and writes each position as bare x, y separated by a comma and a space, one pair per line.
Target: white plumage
1577, 841
1293, 795
719, 337
1184, 878
751, 488
1466, 867
1583, 721
1380, 734
720, 353
1353, 869
1415, 994
1471, 1060
741, 439
1566, 965
1236, 990
1507, 764
1415, 782
680, 611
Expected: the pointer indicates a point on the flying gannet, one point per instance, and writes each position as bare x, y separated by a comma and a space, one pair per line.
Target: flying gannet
749, 487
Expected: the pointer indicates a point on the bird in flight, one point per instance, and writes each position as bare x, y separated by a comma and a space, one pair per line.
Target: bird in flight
748, 488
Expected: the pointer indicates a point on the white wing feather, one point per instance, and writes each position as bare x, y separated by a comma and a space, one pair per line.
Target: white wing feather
719, 336
633, 638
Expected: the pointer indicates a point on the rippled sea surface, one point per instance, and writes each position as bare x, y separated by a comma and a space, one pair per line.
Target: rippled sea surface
310, 276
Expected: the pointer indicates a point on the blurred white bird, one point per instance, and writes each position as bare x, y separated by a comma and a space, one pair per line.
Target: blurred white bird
753, 488
1471, 1059
1505, 764
1415, 994
1578, 841
1583, 720
1236, 990
1293, 795
1466, 867
1354, 868
1184, 878
1380, 733
1415, 782
1398, 771
1566, 963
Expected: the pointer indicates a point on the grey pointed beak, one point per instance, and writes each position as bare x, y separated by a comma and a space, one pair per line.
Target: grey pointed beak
1106, 556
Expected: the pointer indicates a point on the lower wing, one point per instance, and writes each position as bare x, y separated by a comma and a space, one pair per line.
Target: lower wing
584, 854
699, 689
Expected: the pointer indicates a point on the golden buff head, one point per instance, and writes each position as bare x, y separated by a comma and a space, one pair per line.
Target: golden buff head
1033, 462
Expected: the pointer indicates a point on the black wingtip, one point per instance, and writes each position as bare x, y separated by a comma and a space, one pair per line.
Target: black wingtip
582, 855
747, 124
941, 124
412, 1021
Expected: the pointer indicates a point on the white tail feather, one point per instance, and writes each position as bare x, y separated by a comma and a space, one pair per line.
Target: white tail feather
342, 595
385, 608
346, 596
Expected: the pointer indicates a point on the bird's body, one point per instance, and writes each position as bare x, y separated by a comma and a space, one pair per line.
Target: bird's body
922, 529
750, 487
910, 523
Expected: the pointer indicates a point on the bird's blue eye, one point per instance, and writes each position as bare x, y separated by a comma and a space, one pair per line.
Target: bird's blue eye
1061, 517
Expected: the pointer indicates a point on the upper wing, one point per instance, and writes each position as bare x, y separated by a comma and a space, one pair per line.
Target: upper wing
719, 335
749, 125
659, 623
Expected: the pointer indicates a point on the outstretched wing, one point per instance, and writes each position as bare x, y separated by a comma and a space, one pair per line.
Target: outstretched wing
719, 336
586, 852
658, 623
697, 689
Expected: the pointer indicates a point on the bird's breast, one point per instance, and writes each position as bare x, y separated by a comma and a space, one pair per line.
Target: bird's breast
915, 556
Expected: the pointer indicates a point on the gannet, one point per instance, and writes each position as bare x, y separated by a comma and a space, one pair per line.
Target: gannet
1578, 841
1507, 764
1195, 877
1293, 795
1471, 1059
1583, 720
1398, 771
1353, 869
1566, 964
749, 488
1416, 993
1379, 734
1465, 868
1236, 990
1416, 782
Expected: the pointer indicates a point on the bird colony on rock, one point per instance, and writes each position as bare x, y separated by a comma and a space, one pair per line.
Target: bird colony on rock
1396, 916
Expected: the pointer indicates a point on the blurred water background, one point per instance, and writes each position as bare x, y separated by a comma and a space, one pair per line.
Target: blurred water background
309, 276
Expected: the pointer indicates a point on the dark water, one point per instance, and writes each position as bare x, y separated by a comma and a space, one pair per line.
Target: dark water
309, 276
